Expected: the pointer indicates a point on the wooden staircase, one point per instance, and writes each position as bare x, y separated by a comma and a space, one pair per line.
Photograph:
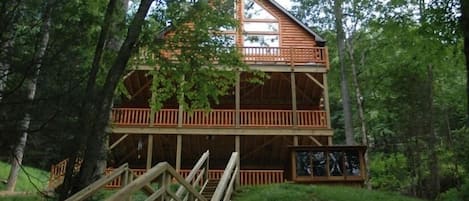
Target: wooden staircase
210, 188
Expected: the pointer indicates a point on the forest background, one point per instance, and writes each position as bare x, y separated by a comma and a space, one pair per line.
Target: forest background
398, 80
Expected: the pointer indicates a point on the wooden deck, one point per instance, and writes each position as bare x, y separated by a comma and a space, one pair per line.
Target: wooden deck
218, 118
314, 56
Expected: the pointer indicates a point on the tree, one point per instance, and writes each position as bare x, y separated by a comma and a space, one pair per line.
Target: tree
31, 84
465, 31
195, 43
344, 85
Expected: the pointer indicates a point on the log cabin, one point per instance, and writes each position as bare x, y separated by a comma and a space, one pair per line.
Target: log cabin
281, 129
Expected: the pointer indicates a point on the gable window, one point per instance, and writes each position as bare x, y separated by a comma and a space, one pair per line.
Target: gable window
252, 10
260, 27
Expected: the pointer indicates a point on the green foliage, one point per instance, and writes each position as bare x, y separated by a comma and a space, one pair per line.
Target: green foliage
456, 194
313, 193
206, 60
389, 172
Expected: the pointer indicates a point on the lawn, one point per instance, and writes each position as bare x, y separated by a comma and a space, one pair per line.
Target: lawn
297, 192
37, 177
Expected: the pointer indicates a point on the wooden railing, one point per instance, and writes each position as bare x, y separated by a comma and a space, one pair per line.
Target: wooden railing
249, 177
275, 55
122, 173
158, 180
218, 118
198, 176
287, 55
229, 180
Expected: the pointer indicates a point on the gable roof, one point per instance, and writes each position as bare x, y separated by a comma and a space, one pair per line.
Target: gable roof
285, 11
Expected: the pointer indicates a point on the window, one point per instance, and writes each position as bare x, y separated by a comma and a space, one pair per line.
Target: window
252, 10
261, 40
261, 27
328, 163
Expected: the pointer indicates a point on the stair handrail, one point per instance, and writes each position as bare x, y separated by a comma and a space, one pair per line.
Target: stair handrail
226, 186
164, 174
203, 174
102, 182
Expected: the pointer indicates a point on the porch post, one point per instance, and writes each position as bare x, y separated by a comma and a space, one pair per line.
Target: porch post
178, 153
237, 100
295, 140
293, 97
326, 100
238, 149
149, 151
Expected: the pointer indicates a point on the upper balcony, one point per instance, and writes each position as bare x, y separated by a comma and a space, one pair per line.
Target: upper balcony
219, 118
270, 59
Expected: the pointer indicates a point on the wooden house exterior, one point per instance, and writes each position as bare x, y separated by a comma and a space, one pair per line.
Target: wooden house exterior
260, 122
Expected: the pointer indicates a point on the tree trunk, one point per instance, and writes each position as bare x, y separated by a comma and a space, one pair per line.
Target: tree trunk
4, 67
31, 84
465, 30
349, 138
95, 152
432, 142
359, 99
70, 184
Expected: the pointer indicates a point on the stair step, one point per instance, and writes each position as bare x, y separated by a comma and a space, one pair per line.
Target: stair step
210, 188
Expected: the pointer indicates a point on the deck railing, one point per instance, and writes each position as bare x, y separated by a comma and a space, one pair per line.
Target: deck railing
273, 55
287, 55
218, 118
247, 177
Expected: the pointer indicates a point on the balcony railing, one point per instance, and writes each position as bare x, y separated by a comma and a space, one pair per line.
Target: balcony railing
267, 55
218, 118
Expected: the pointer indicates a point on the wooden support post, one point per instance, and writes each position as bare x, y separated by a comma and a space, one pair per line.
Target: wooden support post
329, 140
295, 140
180, 114
238, 149
237, 100
178, 153
326, 101
293, 97
149, 151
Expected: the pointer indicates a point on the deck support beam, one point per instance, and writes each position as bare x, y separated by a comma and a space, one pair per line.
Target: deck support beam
315, 140
117, 142
293, 97
295, 140
238, 149
237, 99
149, 152
314, 80
178, 153
326, 101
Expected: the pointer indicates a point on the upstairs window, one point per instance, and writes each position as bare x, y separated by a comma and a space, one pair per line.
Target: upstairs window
252, 10
260, 27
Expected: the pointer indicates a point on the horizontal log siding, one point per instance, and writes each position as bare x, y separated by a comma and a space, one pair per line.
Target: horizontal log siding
291, 34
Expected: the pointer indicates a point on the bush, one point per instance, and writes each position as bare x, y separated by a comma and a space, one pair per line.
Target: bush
389, 173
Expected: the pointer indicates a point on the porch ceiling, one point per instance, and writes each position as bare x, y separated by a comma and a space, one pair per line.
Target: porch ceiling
274, 93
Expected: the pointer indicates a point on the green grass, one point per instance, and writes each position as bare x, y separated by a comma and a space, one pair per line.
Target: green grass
38, 178
297, 192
